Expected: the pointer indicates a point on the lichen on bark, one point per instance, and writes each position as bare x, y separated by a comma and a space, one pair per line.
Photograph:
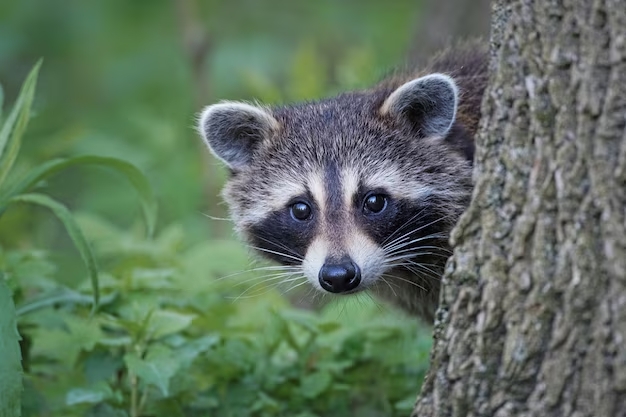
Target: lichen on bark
532, 318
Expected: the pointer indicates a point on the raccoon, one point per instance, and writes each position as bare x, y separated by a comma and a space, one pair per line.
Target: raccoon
358, 191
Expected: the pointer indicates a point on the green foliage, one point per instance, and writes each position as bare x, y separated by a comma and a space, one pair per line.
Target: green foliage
169, 340
180, 330
11, 133
10, 365
165, 342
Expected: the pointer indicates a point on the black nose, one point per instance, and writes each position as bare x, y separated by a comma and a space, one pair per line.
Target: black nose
341, 277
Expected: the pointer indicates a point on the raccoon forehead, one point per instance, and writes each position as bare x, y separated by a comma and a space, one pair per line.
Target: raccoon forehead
390, 178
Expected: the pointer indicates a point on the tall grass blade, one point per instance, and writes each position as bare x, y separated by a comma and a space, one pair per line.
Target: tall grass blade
76, 234
137, 179
15, 125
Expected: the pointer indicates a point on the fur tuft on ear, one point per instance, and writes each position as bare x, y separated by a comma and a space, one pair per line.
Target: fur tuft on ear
234, 130
428, 103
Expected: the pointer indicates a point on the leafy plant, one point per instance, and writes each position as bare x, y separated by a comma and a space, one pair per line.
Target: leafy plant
20, 190
179, 330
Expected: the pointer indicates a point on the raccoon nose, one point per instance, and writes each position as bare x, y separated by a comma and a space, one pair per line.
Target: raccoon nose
341, 277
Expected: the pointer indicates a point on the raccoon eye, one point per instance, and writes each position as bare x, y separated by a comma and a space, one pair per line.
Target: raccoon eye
301, 211
374, 203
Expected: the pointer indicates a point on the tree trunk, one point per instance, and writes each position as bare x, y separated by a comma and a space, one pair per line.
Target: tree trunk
532, 320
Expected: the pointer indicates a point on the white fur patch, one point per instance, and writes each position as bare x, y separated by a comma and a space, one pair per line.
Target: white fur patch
349, 186
367, 255
397, 184
361, 249
314, 260
317, 187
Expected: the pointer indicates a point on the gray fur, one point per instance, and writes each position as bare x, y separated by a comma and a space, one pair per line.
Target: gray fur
423, 133
429, 103
233, 131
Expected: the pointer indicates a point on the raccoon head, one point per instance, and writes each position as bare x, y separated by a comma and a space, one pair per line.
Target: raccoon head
359, 191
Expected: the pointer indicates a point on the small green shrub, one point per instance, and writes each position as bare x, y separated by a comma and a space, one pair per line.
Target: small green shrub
174, 332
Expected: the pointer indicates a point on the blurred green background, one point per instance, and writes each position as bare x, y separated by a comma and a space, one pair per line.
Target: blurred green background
126, 78
180, 332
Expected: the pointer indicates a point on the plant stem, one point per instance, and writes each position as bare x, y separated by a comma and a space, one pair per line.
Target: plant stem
134, 412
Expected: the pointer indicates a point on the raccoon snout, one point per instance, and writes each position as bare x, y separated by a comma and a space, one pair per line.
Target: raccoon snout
340, 277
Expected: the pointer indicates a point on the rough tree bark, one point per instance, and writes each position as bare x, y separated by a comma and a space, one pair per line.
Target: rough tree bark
533, 312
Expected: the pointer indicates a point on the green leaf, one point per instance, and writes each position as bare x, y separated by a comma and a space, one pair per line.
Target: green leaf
64, 344
106, 410
163, 322
191, 350
96, 394
15, 125
405, 405
315, 384
1, 101
73, 230
61, 296
137, 179
11, 363
156, 369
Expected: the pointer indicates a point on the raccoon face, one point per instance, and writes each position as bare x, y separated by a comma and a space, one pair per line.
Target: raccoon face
359, 191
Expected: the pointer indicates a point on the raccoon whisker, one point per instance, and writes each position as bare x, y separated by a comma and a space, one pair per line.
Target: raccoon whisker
415, 230
311, 293
425, 267
413, 218
437, 248
382, 278
410, 269
266, 279
410, 235
359, 298
381, 308
317, 295
405, 280
403, 244
269, 277
272, 286
415, 255
296, 286
427, 272
279, 245
288, 280
264, 268
216, 218
411, 255
299, 259
401, 238
406, 236
410, 262
343, 308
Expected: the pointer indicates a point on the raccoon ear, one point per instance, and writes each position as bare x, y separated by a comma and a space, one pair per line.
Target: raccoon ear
428, 103
234, 130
